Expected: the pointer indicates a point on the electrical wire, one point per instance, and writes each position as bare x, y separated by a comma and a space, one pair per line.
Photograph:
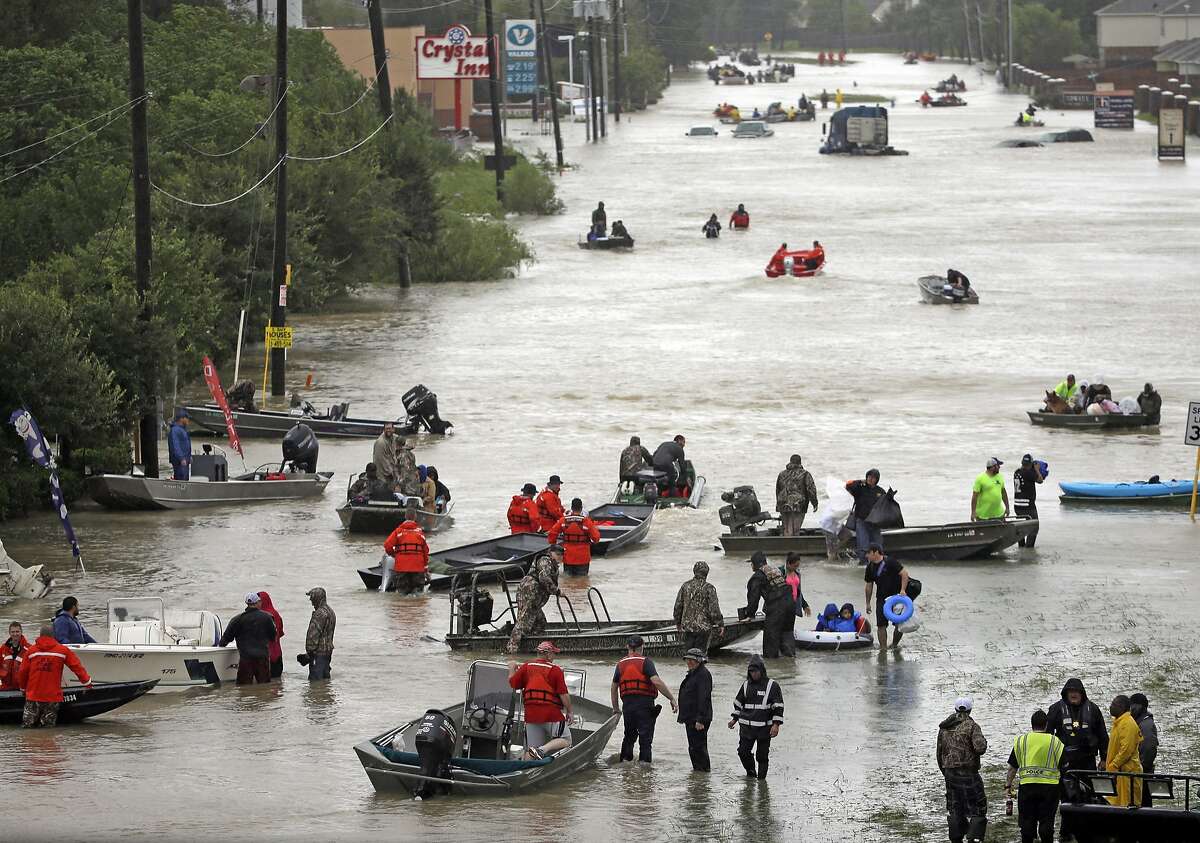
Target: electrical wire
347, 151
71, 129
244, 193
254, 136
90, 134
361, 97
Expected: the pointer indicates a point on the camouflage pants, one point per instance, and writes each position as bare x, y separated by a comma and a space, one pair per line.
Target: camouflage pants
529, 623
39, 714
791, 521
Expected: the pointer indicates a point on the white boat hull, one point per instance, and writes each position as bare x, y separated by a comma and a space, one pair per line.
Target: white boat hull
176, 667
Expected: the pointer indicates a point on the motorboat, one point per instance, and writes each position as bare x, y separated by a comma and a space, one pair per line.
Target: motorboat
798, 263
944, 101
607, 243
1171, 819
178, 649
935, 289
939, 542
473, 626
947, 86
419, 403
653, 488
32, 583
210, 484
483, 750
383, 513
809, 639
1140, 492
1084, 421
80, 702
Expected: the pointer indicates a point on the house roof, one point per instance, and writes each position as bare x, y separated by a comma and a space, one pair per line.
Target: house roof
1144, 7
1180, 52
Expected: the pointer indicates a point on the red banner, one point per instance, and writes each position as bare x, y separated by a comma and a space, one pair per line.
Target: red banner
218, 394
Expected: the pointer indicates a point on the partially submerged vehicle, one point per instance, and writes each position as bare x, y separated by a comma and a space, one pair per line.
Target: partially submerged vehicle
481, 751
1068, 136
935, 289
701, 132
653, 488
858, 130
78, 703
752, 129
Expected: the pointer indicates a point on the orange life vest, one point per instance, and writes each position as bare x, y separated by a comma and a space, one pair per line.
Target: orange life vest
633, 682
538, 689
578, 533
522, 515
408, 546
550, 509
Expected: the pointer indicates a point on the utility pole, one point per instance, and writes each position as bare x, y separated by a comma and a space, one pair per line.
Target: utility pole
384, 84
979, 20
260, 4
279, 267
1008, 76
616, 51
148, 422
593, 63
537, 67
602, 45
493, 93
843, 10
967, 19
586, 67
550, 83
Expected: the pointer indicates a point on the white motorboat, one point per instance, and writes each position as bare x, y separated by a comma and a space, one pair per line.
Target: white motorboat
32, 583
146, 641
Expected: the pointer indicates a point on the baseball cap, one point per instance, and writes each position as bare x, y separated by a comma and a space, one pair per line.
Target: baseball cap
1028, 458
696, 654
529, 489
634, 641
554, 478
993, 462
181, 413
547, 647
963, 704
252, 597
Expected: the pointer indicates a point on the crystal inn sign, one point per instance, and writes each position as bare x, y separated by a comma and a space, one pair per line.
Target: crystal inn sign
456, 55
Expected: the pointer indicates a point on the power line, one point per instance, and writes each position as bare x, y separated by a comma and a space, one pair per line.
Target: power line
347, 151
256, 134
244, 193
68, 131
90, 134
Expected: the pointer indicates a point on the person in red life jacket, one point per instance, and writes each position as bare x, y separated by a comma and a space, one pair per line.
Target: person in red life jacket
547, 702
40, 676
410, 559
740, 218
925, 99
549, 504
816, 257
579, 533
635, 685
523, 514
775, 264
275, 650
12, 655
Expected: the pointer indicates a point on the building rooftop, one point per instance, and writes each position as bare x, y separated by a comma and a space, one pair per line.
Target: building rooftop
1181, 52
1146, 7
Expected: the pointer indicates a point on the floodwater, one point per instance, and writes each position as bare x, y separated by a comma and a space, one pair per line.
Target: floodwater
1082, 257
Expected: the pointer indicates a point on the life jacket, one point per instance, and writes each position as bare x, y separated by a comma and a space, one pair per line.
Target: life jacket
1038, 755
408, 546
578, 533
740, 220
550, 509
537, 688
10, 663
522, 515
633, 682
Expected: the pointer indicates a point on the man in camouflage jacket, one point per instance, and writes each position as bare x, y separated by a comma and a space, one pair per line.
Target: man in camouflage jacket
533, 593
697, 611
795, 492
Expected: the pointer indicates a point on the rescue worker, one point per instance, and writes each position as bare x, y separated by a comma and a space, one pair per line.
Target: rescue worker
698, 611
410, 559
960, 745
1139, 707
546, 700
534, 592
40, 677
600, 219
579, 532
384, 455
989, 498
12, 655
407, 476
1079, 724
866, 494
1123, 753
67, 628
768, 584
1067, 389
179, 446
635, 685
1026, 479
758, 709
253, 630
549, 504
817, 256
1150, 403
669, 458
925, 99
1035, 763
888, 577
695, 708
318, 640
795, 492
523, 514
635, 458
711, 228
740, 218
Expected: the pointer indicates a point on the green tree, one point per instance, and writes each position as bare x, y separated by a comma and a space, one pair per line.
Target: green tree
1042, 38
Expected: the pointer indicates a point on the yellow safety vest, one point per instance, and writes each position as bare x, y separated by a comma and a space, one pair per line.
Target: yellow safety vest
1038, 755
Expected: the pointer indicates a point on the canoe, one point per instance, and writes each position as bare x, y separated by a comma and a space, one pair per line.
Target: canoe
382, 517
1082, 421
123, 491
634, 492
607, 243
932, 288
940, 542
79, 702
808, 639
1140, 492
486, 757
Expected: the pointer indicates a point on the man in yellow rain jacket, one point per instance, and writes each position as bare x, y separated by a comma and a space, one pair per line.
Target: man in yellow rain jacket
1123, 756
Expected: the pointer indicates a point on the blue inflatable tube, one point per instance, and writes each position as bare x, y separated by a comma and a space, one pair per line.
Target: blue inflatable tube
898, 608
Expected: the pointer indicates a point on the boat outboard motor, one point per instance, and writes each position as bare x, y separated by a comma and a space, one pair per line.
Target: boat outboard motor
241, 397
743, 512
435, 740
470, 618
300, 448
421, 404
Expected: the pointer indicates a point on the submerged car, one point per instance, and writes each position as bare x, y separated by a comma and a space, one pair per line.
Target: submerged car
752, 129
701, 132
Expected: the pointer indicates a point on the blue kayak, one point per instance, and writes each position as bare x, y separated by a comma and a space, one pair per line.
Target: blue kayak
1140, 491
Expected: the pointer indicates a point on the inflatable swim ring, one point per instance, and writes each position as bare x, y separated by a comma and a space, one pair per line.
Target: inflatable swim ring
898, 608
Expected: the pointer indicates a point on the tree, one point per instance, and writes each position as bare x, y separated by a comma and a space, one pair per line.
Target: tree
1042, 38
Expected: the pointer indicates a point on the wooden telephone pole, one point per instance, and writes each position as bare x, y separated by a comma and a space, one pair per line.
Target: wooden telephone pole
279, 266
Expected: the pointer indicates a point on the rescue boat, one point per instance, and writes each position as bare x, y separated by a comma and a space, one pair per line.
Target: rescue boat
801, 263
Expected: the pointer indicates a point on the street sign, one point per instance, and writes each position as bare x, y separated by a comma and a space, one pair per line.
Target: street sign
520, 76
279, 337
1171, 137
520, 39
1113, 110
509, 161
1191, 436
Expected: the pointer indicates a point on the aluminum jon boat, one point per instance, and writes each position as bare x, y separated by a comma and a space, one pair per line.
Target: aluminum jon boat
123, 491
652, 488
79, 702
382, 517
484, 755
1082, 421
934, 290
941, 542
1140, 492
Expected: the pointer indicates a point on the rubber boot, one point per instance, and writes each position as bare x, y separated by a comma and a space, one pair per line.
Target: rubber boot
762, 769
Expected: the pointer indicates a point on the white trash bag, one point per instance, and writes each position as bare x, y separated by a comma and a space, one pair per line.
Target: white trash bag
913, 623
836, 509
1129, 406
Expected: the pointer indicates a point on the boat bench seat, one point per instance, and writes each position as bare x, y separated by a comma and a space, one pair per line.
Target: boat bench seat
196, 625
482, 766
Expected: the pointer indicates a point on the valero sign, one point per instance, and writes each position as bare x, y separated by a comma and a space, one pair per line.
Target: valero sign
456, 55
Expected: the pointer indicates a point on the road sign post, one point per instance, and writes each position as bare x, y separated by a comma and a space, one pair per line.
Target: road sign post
1191, 436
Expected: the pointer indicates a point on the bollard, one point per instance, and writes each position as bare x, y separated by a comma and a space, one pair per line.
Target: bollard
1193, 117
1141, 99
1173, 83
1153, 104
1181, 102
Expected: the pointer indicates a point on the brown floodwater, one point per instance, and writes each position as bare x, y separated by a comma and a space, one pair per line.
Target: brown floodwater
1084, 258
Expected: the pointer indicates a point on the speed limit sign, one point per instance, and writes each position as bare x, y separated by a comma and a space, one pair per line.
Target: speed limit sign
1192, 435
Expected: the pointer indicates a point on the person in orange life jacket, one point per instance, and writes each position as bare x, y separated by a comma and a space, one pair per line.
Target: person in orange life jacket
40, 676
818, 255
549, 504
635, 685
410, 553
578, 533
739, 218
547, 702
758, 708
523, 514
12, 655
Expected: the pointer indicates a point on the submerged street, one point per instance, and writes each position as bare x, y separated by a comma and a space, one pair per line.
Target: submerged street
1083, 258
